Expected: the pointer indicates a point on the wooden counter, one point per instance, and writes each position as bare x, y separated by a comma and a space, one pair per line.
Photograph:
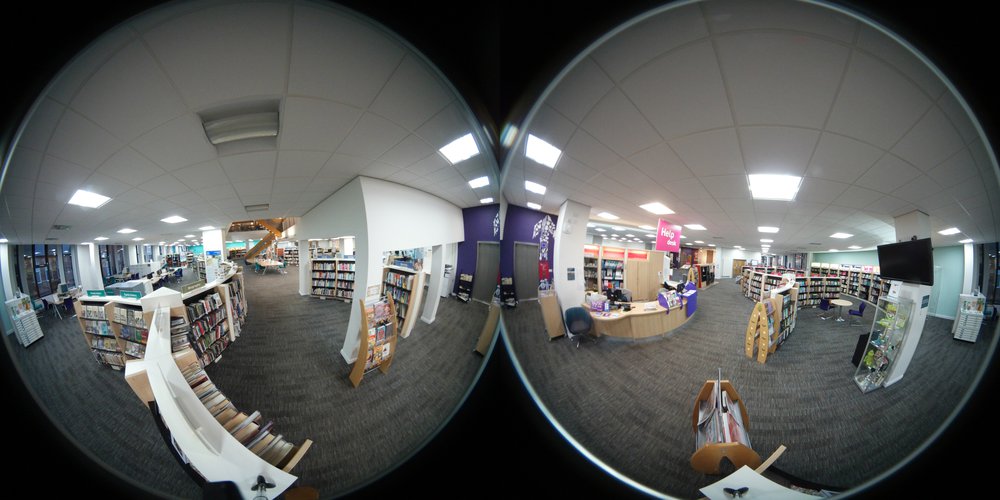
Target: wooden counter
638, 323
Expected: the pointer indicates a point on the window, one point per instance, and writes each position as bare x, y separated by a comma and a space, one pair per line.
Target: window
52, 261
148, 252
26, 274
69, 275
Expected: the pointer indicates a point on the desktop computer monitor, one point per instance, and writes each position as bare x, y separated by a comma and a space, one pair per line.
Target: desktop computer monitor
63, 288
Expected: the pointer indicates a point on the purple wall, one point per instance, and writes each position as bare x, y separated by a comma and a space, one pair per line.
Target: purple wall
517, 226
478, 223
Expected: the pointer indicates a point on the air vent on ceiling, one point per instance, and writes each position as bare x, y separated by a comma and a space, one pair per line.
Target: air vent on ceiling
60, 227
815, 243
257, 208
241, 121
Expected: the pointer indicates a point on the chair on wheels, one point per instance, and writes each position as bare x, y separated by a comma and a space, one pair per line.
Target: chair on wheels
579, 323
68, 305
859, 312
626, 295
824, 304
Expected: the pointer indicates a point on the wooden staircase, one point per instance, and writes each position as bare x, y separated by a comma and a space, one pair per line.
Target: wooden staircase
273, 232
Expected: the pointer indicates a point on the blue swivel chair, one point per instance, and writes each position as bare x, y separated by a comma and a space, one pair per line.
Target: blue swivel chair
579, 323
859, 313
824, 304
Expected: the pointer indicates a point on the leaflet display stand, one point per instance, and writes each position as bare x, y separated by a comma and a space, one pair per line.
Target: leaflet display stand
721, 426
378, 334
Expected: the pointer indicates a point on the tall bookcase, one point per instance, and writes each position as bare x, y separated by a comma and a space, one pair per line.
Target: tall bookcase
612, 267
292, 256
131, 326
591, 268
406, 287
333, 278
102, 340
210, 331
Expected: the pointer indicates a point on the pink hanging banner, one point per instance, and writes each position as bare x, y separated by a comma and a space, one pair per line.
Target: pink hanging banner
668, 237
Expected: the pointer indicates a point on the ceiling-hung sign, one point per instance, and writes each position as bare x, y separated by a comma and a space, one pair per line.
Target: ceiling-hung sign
668, 237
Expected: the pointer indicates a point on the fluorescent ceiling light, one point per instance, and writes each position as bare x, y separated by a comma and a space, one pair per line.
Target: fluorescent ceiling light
841, 235
614, 235
174, 219
534, 187
180, 239
618, 228
460, 149
630, 236
767, 229
600, 230
206, 228
126, 230
699, 241
738, 247
656, 208
651, 236
100, 238
87, 199
711, 244
854, 247
609, 216
189, 236
239, 127
765, 240
774, 187
967, 240
950, 231
696, 227
834, 250
137, 239
535, 206
3, 240
162, 243
486, 200
684, 237
647, 227
479, 182
542, 152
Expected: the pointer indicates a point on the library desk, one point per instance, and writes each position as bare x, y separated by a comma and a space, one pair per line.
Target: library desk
638, 323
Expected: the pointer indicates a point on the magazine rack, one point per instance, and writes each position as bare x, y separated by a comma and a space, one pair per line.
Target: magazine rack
721, 426
378, 336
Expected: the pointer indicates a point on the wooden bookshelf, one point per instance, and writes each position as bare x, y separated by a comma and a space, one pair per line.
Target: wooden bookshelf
210, 330
591, 268
131, 326
721, 425
406, 287
292, 256
612, 271
333, 278
102, 340
378, 334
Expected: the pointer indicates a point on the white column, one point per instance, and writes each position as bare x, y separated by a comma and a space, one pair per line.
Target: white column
567, 253
969, 263
434, 288
8, 270
305, 269
89, 266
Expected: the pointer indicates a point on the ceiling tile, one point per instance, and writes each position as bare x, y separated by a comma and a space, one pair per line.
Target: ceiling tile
63, 173
917, 190
412, 95
687, 189
249, 166
22, 202
79, 140
726, 16
579, 91
129, 95
338, 58
164, 186
75, 74
932, 140
661, 163
842, 159
24, 163
636, 46
186, 199
300, 163
735, 205
951, 107
379, 170
41, 124
820, 190
202, 175
409, 151
103, 184
705, 206
716, 152
781, 78
888, 174
880, 45
552, 127
313, 124
586, 149
890, 206
771, 208
224, 51
449, 124
297, 185
876, 104
777, 150
681, 92
47, 193
727, 186
403, 177
340, 165
801, 207
128, 166
616, 123
175, 144
371, 137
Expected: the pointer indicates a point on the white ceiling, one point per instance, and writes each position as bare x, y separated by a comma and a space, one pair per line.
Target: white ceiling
682, 106
121, 120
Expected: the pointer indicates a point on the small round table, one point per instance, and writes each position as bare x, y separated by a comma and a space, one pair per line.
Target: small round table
841, 304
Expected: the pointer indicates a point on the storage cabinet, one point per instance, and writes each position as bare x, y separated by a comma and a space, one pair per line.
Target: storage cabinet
885, 342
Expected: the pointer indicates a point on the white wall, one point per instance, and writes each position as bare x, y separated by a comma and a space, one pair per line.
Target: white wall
567, 252
969, 263
731, 254
8, 274
89, 267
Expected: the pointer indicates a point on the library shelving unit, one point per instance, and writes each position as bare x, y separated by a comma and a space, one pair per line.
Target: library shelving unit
333, 278
757, 285
378, 334
95, 321
345, 280
22, 314
173, 260
969, 319
721, 424
612, 271
771, 322
197, 266
292, 256
406, 287
705, 274
131, 327
210, 332
237, 253
591, 270
464, 287
859, 281
234, 296
885, 341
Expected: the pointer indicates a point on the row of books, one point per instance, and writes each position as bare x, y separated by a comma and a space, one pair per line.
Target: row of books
135, 350
399, 279
209, 338
328, 292
179, 330
720, 421
345, 266
247, 429
199, 308
344, 293
400, 295
97, 328
324, 266
104, 343
324, 275
317, 283
613, 264
236, 301
345, 276
129, 316
113, 359
207, 322
91, 311
134, 334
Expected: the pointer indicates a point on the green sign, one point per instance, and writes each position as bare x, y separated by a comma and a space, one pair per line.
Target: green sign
130, 295
192, 286
96, 293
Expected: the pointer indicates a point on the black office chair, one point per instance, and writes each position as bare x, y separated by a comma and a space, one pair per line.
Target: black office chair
579, 323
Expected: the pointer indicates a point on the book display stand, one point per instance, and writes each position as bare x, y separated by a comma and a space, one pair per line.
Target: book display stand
406, 287
464, 287
378, 338
22, 314
721, 424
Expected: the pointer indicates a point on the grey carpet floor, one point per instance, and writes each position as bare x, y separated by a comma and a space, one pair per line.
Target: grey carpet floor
287, 365
630, 403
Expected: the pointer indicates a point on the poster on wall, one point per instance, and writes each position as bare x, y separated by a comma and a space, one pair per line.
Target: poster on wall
668, 236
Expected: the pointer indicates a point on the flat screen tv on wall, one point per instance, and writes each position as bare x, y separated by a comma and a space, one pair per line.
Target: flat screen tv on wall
907, 261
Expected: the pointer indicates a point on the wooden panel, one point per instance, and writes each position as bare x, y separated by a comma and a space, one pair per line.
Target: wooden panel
139, 382
552, 315
639, 323
297, 455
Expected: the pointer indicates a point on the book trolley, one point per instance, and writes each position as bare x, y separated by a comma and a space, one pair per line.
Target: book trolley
771, 321
721, 424
378, 338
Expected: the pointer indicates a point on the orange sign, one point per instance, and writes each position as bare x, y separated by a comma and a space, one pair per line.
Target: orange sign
637, 254
614, 253
591, 251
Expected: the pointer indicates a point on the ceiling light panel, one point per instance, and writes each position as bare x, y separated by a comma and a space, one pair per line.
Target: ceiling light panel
696, 227
542, 152
534, 187
767, 229
535, 206
774, 187
841, 235
656, 208
950, 231
460, 149
173, 219
88, 199
608, 215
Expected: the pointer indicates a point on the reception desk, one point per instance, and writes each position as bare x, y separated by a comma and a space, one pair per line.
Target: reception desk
640, 323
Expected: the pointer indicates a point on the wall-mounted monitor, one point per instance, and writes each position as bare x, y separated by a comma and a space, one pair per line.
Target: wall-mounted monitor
907, 261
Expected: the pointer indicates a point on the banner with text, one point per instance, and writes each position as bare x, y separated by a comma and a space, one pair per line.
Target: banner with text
668, 237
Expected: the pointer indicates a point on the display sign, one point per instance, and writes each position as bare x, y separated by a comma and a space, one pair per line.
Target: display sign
192, 286
614, 253
668, 237
591, 251
867, 269
130, 295
96, 293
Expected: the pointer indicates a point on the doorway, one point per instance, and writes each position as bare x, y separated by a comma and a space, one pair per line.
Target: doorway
487, 270
738, 266
526, 270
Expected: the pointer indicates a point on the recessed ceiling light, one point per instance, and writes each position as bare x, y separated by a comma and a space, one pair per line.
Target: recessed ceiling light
100, 238
656, 208
3, 240
774, 187
696, 227
630, 236
841, 235
87, 199
189, 236
618, 228
126, 230
486, 200
162, 243
950, 231
699, 241
967, 240
765, 240
607, 215
180, 239
534, 187
738, 247
535, 206
174, 219
651, 236
600, 230
542, 152
137, 239
206, 228
460, 149
479, 182
767, 229
711, 244
854, 247
684, 237
834, 250
647, 227
614, 235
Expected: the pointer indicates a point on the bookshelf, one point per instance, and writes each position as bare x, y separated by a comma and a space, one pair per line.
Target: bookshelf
464, 287
22, 314
721, 427
102, 340
612, 271
333, 278
406, 287
235, 298
209, 332
131, 328
292, 256
173, 260
591, 268
860, 281
705, 275
969, 319
378, 334
885, 341
757, 285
